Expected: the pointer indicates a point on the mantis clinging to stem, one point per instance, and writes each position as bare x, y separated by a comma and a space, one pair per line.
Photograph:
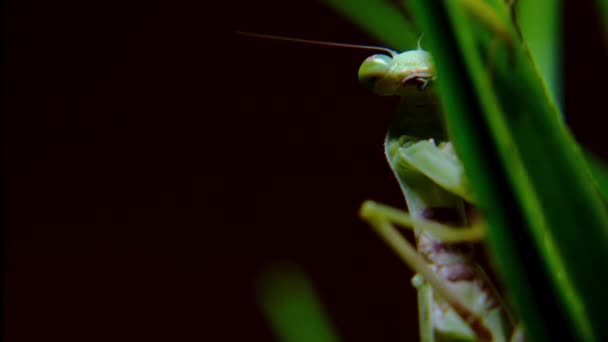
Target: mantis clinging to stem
456, 300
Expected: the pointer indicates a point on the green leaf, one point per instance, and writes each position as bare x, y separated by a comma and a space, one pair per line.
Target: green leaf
292, 307
599, 172
540, 24
548, 229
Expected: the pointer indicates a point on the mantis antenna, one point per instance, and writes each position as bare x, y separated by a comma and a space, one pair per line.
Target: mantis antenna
316, 42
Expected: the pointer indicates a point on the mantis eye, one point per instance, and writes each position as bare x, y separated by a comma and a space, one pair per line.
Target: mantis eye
373, 69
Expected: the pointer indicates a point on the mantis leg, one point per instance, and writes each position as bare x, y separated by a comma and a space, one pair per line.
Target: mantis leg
439, 163
455, 302
447, 233
382, 220
485, 325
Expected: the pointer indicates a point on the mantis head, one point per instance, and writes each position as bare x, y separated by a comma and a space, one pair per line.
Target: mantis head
397, 74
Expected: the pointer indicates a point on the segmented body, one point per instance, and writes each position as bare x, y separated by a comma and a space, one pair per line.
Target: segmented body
454, 263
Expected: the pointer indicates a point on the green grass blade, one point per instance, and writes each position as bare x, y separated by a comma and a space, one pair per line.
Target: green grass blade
292, 307
599, 172
540, 24
548, 229
480, 152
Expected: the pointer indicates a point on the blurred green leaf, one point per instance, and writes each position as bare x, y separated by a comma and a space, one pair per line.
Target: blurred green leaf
292, 307
602, 6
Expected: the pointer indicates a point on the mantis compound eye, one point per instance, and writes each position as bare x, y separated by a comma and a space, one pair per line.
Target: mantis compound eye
374, 69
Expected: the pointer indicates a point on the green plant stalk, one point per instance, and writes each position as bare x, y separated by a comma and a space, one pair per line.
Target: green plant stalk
548, 230
599, 172
540, 25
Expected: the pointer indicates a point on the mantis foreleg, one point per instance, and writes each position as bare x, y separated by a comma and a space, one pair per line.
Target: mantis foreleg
455, 299
382, 219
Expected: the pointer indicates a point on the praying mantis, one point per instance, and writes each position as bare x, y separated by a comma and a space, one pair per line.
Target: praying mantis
455, 299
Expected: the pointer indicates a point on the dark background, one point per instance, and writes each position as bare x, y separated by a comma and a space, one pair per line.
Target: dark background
155, 163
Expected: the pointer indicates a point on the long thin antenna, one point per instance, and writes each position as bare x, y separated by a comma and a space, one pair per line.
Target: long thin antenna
315, 42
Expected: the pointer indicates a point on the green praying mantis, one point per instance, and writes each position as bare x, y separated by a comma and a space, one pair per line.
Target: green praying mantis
456, 301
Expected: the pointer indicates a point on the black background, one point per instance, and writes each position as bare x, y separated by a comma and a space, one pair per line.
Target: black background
155, 163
